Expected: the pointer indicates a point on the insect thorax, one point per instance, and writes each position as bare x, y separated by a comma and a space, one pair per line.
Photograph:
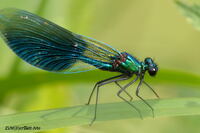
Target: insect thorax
127, 64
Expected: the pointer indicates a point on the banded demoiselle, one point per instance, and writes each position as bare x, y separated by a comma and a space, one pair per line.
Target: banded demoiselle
50, 47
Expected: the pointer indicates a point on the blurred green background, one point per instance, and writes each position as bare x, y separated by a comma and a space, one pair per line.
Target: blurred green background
143, 28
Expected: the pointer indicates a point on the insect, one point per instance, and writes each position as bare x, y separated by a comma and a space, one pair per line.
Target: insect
50, 47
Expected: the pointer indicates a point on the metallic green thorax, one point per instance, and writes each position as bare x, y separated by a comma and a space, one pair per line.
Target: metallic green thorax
130, 65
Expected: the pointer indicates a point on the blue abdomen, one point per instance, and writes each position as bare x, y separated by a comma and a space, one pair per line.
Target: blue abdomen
98, 64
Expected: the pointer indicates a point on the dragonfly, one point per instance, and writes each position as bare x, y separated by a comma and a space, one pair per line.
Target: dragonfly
50, 47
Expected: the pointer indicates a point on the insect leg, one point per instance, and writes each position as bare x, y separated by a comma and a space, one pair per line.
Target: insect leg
151, 89
123, 89
101, 83
131, 98
127, 85
137, 94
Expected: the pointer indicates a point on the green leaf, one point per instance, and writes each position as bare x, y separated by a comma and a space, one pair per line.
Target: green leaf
81, 115
191, 11
20, 82
33, 80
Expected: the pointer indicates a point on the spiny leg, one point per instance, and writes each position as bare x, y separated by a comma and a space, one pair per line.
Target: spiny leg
91, 94
131, 98
151, 89
105, 80
101, 83
130, 105
95, 112
137, 94
127, 85
123, 89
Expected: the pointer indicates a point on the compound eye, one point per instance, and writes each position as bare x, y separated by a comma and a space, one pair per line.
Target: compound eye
152, 71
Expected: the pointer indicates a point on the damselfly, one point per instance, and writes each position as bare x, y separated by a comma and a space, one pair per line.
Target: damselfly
48, 46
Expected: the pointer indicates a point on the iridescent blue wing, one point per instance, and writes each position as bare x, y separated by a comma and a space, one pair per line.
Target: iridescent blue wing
48, 46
